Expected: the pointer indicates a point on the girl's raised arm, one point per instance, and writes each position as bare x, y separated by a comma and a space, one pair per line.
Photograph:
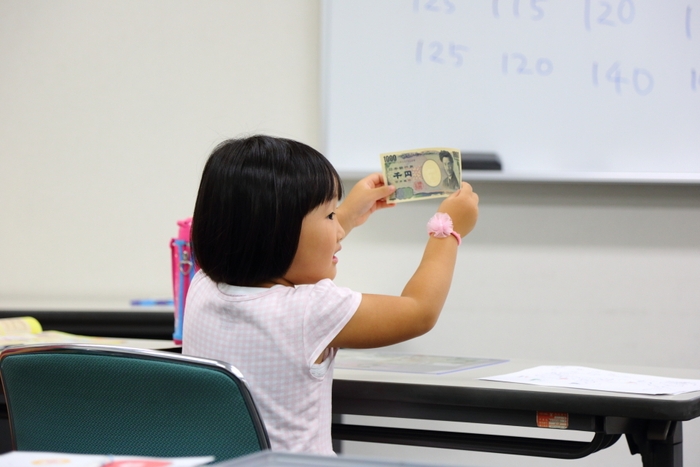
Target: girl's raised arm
384, 320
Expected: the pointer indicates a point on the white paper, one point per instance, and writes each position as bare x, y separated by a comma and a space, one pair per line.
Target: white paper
577, 377
407, 363
55, 459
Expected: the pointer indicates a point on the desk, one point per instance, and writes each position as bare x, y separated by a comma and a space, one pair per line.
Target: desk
652, 425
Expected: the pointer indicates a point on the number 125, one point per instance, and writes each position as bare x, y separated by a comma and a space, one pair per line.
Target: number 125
440, 53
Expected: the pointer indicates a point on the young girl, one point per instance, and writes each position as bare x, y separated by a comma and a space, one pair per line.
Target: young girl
265, 232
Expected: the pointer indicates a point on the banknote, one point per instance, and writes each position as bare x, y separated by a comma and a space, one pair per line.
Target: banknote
422, 173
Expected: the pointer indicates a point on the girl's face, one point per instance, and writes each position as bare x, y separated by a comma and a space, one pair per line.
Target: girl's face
319, 241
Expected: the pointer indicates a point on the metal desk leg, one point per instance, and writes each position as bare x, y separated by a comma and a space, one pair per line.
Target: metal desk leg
337, 443
660, 443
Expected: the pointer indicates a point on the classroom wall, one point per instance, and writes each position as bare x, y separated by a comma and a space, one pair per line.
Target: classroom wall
108, 111
576, 272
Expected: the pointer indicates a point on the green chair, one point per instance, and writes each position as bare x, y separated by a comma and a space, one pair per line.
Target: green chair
94, 399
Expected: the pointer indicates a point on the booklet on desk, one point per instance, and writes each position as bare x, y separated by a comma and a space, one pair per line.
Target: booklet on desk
27, 330
34, 459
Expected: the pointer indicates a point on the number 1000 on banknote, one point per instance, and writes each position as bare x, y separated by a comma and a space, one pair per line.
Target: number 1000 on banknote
422, 173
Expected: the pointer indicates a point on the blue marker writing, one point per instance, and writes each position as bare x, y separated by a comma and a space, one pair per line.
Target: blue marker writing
151, 302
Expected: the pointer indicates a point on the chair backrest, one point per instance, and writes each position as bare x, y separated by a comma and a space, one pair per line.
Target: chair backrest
113, 400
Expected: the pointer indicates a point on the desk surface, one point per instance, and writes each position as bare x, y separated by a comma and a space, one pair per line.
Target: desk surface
464, 388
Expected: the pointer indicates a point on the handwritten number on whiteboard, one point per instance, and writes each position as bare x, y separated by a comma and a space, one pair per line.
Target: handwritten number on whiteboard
456, 52
603, 18
595, 74
614, 75
435, 56
642, 80
431, 6
625, 11
522, 68
543, 66
436, 53
610, 13
436, 6
537, 10
687, 22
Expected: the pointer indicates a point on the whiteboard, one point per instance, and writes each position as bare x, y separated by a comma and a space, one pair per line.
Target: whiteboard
558, 89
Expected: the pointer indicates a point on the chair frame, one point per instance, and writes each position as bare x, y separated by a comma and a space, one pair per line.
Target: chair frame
154, 355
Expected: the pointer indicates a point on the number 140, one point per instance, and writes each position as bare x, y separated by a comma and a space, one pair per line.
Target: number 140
641, 80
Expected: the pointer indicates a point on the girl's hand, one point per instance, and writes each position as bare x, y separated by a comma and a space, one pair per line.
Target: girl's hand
463, 208
366, 196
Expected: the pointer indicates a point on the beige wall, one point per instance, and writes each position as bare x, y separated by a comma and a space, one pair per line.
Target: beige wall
104, 132
108, 112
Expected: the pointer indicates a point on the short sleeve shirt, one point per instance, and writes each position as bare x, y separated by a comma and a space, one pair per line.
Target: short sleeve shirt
274, 337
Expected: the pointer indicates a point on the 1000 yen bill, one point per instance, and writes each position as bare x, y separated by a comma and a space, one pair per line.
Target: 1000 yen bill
422, 173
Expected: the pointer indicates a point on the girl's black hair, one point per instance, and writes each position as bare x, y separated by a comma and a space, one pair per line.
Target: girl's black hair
253, 196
